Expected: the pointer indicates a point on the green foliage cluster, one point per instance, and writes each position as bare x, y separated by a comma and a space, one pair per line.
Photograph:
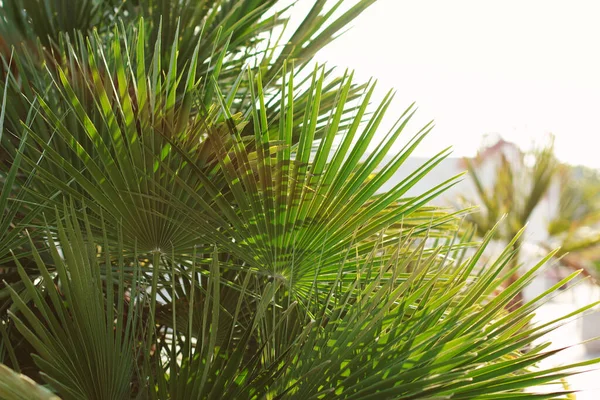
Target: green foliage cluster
192, 209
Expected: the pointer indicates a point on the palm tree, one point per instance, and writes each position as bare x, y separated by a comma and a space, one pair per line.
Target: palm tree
176, 231
575, 226
517, 190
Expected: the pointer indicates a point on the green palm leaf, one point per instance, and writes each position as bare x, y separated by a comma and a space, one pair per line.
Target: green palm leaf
17, 387
85, 343
435, 332
226, 233
296, 208
175, 182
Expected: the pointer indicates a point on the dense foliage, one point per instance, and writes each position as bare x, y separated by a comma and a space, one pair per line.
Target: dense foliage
192, 209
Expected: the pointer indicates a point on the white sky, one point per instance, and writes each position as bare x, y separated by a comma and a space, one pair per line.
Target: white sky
520, 68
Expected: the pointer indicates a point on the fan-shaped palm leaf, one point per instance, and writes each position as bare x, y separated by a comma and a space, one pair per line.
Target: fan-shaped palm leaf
436, 331
176, 177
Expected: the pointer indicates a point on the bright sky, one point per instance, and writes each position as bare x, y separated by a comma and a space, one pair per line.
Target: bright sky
519, 68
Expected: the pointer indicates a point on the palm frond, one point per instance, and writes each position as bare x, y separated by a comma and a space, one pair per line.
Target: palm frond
14, 386
79, 319
214, 224
175, 178
435, 331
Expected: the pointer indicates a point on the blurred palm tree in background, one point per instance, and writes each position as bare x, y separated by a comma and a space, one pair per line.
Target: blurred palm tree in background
190, 211
521, 182
576, 226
